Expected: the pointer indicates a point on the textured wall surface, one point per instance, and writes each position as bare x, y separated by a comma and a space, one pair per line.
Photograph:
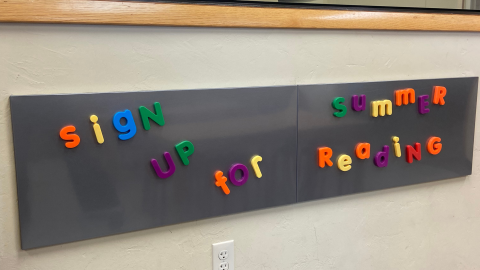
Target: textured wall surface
427, 226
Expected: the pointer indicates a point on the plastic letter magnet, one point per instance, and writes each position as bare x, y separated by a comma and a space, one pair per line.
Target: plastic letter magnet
255, 159
221, 182
97, 129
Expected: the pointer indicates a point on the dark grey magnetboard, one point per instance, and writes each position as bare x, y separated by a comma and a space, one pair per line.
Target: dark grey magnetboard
95, 190
453, 122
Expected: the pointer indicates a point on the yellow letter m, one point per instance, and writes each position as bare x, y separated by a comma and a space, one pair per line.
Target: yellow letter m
379, 107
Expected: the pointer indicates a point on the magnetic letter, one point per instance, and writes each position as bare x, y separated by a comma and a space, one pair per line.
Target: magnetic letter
256, 168
157, 117
396, 146
184, 154
324, 155
65, 136
434, 146
171, 166
439, 92
379, 107
411, 152
231, 174
404, 96
356, 106
381, 158
129, 127
336, 104
221, 182
422, 104
97, 129
343, 163
362, 150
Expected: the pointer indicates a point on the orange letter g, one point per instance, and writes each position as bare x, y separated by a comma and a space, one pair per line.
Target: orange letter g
433, 145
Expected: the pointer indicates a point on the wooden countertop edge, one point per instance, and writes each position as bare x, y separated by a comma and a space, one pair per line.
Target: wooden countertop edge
171, 14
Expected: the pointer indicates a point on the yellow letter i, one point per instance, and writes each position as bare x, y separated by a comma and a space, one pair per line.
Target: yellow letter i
97, 129
396, 146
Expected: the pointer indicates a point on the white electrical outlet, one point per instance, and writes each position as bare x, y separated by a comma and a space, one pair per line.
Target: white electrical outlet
224, 266
223, 256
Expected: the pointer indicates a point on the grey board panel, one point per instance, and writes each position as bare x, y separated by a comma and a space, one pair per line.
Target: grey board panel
96, 190
454, 123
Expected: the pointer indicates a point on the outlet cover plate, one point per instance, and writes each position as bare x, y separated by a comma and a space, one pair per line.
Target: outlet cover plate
219, 247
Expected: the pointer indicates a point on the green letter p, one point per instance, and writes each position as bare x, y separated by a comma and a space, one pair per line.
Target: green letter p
184, 154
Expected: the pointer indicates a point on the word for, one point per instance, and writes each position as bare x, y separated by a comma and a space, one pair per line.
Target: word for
362, 151
382, 107
221, 181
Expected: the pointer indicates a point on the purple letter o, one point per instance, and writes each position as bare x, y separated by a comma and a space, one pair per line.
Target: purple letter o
231, 174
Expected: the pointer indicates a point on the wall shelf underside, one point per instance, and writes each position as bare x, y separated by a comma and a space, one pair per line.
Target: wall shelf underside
211, 15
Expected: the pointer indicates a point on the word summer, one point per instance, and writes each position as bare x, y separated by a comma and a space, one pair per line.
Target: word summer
184, 149
382, 107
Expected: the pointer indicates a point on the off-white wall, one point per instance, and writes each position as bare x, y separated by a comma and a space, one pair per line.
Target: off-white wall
427, 226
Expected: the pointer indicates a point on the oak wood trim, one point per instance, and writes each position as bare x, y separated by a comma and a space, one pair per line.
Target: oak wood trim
171, 14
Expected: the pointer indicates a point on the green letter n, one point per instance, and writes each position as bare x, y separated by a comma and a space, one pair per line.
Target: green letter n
157, 117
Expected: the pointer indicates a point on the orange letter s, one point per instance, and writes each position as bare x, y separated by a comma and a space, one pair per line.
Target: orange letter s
65, 136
